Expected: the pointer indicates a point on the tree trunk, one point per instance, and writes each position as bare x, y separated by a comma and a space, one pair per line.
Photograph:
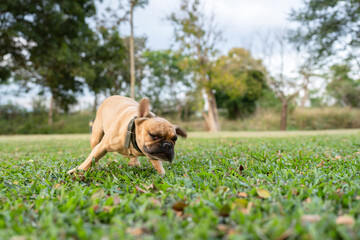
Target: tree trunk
179, 108
51, 111
235, 112
95, 103
186, 110
284, 112
305, 97
213, 119
132, 58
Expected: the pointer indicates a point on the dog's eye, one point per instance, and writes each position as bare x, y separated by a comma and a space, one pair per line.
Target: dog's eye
154, 137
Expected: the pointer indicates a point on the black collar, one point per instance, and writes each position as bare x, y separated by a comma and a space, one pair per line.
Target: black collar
130, 135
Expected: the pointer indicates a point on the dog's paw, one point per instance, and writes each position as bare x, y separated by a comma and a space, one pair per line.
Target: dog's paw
71, 171
76, 171
134, 164
161, 173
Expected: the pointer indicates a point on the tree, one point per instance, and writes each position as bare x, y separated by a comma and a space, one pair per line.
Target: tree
198, 35
106, 62
344, 89
329, 27
47, 39
133, 4
276, 52
238, 82
309, 72
167, 79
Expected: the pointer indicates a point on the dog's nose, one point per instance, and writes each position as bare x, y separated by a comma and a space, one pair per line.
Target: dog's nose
167, 145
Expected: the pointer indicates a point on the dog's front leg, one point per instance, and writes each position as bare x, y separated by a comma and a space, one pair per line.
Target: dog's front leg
134, 162
98, 152
158, 166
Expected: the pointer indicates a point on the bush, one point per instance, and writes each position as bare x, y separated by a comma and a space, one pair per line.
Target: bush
262, 120
324, 118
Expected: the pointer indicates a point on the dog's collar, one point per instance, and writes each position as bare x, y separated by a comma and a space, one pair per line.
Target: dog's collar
131, 136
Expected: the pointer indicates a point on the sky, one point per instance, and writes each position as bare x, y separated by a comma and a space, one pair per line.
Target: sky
239, 20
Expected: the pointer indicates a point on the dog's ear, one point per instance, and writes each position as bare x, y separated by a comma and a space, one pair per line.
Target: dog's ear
181, 132
144, 108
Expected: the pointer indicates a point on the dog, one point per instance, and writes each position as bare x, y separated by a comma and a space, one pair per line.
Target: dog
122, 125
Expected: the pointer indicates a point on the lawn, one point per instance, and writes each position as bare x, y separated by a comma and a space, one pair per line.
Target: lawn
274, 185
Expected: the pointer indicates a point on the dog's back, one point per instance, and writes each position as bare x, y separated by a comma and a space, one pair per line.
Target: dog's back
108, 111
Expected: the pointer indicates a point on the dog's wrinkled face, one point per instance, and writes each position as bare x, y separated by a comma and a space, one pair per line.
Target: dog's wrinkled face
159, 138
156, 136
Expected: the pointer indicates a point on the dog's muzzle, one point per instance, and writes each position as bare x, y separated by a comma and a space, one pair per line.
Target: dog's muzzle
163, 152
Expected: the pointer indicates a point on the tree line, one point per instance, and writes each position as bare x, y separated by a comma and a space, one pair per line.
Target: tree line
50, 44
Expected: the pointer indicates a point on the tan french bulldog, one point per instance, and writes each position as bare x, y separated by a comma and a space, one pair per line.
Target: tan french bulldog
122, 125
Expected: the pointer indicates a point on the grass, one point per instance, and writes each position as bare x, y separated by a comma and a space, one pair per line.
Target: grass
227, 186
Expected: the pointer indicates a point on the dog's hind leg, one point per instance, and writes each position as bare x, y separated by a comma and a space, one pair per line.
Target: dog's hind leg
96, 134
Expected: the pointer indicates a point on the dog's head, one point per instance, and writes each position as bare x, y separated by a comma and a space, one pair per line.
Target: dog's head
156, 136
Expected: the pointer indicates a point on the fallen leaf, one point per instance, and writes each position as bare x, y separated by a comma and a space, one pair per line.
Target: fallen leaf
263, 193
18, 238
247, 209
339, 192
136, 231
307, 200
321, 164
116, 200
240, 203
179, 206
345, 220
310, 218
107, 208
221, 190
95, 207
241, 168
56, 186
140, 189
151, 186
242, 194
98, 194
285, 235
294, 192
225, 210
155, 201
222, 227
16, 182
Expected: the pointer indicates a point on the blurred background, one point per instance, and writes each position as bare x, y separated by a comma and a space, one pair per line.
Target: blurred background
205, 65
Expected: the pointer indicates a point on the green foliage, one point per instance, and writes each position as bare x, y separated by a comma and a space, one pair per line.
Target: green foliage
53, 33
139, 48
167, 77
238, 82
139, 3
329, 26
16, 120
324, 118
197, 36
344, 89
294, 187
106, 62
